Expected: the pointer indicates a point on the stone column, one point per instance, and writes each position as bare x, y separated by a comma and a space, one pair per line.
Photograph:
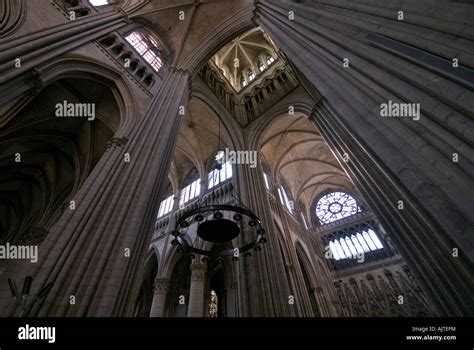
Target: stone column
20, 84
240, 113
232, 308
174, 210
304, 301
97, 249
16, 93
264, 269
394, 159
290, 271
203, 184
279, 89
196, 290
160, 289
41, 46
324, 309
256, 106
12, 13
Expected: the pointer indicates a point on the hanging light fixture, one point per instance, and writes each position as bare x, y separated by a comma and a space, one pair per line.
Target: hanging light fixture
220, 223
220, 226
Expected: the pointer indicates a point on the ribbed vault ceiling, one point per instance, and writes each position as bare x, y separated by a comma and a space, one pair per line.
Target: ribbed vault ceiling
198, 141
245, 50
56, 154
186, 33
293, 148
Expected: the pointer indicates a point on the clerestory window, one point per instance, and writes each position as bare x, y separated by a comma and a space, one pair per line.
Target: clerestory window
147, 47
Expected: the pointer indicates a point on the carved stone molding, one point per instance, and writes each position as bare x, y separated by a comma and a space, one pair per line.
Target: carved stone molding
179, 70
161, 285
123, 13
116, 142
377, 295
35, 236
33, 77
12, 16
122, 52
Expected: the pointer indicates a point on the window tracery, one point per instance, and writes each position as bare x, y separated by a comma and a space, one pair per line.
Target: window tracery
335, 206
147, 47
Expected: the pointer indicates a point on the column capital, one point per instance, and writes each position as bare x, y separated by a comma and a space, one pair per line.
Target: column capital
116, 142
198, 266
161, 285
122, 12
176, 194
34, 77
35, 236
179, 70
196, 289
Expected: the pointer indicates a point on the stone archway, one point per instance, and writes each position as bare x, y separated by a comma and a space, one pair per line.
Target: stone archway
57, 155
54, 155
145, 296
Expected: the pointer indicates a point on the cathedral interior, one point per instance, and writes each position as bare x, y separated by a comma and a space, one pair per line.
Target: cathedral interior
176, 158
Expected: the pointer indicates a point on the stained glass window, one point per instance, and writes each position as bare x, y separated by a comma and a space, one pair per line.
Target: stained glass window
335, 206
213, 304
